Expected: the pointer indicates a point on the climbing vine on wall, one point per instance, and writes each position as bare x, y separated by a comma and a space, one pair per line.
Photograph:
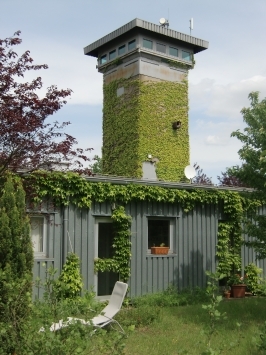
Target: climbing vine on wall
139, 122
120, 262
66, 188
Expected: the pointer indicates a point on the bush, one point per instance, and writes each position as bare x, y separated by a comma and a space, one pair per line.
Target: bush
16, 262
69, 283
253, 279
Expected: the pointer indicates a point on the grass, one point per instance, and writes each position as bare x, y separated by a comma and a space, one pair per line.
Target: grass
182, 330
167, 323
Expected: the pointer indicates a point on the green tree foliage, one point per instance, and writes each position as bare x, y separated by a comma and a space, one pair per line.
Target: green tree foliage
252, 172
96, 167
253, 152
16, 262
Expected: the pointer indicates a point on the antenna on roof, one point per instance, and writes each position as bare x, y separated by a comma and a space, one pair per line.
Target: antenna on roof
191, 25
164, 22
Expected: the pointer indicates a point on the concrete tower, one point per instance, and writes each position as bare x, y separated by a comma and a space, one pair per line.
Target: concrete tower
145, 108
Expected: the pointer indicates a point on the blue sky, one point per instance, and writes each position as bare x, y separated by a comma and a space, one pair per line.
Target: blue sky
56, 31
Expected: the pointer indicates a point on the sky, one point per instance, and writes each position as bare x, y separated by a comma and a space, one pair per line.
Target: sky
56, 31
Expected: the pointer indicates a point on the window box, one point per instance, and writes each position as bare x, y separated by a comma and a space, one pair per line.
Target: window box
160, 250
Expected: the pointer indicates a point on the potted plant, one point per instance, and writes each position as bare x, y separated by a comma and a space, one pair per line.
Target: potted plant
227, 292
161, 250
238, 286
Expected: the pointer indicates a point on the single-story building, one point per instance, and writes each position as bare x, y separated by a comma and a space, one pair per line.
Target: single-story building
184, 217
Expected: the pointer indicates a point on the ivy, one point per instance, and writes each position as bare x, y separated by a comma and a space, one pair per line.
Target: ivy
66, 188
122, 245
139, 123
69, 283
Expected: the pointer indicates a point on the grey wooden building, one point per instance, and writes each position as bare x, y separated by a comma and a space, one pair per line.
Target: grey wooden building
191, 237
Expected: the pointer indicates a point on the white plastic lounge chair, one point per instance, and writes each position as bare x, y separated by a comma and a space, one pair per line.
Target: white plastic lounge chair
107, 314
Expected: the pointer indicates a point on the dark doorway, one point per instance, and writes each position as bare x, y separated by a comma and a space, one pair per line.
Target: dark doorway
106, 279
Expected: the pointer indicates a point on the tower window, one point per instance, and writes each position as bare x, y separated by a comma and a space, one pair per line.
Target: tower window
160, 47
186, 56
131, 45
147, 43
112, 54
173, 51
122, 49
103, 59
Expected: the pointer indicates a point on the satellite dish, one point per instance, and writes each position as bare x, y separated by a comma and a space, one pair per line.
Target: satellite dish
190, 172
162, 21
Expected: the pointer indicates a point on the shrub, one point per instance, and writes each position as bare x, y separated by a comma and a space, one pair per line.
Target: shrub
253, 279
69, 283
16, 262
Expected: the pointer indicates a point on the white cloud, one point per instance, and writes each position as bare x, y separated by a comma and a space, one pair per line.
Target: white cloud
216, 100
216, 140
68, 68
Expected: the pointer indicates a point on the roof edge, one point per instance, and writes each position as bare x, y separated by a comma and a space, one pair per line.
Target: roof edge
196, 42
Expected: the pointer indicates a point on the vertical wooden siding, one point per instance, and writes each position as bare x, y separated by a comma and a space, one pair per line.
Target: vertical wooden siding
194, 245
248, 255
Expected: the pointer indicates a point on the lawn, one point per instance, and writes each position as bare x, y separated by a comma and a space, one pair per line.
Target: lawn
182, 329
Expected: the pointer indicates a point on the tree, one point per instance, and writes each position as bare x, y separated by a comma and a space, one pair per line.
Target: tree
96, 168
26, 140
16, 262
252, 172
201, 177
253, 152
229, 179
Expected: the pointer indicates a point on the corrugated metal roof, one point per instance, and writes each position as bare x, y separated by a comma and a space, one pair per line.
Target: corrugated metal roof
168, 184
198, 44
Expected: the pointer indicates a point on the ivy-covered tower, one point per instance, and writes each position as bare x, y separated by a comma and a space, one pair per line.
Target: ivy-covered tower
145, 109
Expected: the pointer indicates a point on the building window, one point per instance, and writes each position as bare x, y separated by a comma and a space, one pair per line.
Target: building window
186, 56
131, 45
160, 231
147, 43
122, 49
112, 54
103, 59
38, 235
160, 47
173, 51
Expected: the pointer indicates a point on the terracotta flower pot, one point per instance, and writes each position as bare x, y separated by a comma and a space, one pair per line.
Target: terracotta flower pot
238, 291
227, 294
160, 250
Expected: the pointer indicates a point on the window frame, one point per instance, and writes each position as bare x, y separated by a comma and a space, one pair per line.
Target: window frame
171, 231
43, 253
190, 56
123, 46
148, 40
172, 54
161, 44
111, 53
101, 58
130, 42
